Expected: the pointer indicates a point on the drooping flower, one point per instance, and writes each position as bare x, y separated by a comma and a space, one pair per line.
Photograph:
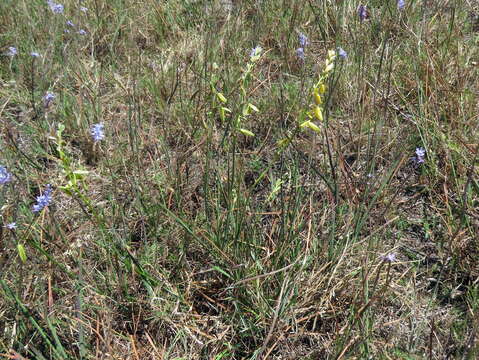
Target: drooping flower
401, 4
70, 23
81, 32
300, 53
97, 132
44, 199
48, 98
34, 54
362, 12
83, 9
12, 51
303, 40
343, 54
5, 176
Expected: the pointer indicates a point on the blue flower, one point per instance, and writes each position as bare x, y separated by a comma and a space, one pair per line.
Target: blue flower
83, 9
43, 200
81, 32
401, 4
56, 8
97, 132
12, 51
362, 12
70, 23
342, 53
48, 98
300, 53
391, 257
11, 226
34, 54
303, 40
5, 176
419, 156
255, 52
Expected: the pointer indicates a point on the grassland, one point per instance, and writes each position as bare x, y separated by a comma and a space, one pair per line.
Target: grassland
243, 200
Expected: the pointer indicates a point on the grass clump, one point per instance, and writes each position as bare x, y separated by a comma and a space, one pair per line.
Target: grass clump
239, 180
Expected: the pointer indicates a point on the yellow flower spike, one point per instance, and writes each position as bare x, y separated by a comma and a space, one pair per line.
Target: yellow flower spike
322, 88
246, 132
304, 124
329, 67
221, 97
318, 112
314, 127
317, 97
331, 54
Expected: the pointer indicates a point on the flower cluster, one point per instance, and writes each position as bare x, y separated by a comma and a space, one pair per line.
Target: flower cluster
54, 7
48, 98
97, 132
5, 176
418, 158
43, 200
303, 42
363, 13
319, 90
401, 4
255, 53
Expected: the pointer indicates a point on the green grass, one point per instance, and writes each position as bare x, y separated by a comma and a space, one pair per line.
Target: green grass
181, 236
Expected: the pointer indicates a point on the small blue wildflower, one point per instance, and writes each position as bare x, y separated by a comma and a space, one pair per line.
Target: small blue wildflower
362, 12
83, 9
11, 226
12, 51
54, 7
300, 53
97, 132
81, 32
420, 153
255, 51
43, 200
343, 54
303, 40
48, 98
5, 176
401, 4
70, 23
34, 54
391, 257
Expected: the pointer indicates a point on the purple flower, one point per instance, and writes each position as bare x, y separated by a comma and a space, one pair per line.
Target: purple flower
43, 200
255, 52
70, 23
419, 157
34, 54
11, 226
391, 257
303, 40
48, 98
300, 54
362, 12
56, 8
81, 32
12, 51
343, 54
83, 9
97, 132
5, 176
401, 4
